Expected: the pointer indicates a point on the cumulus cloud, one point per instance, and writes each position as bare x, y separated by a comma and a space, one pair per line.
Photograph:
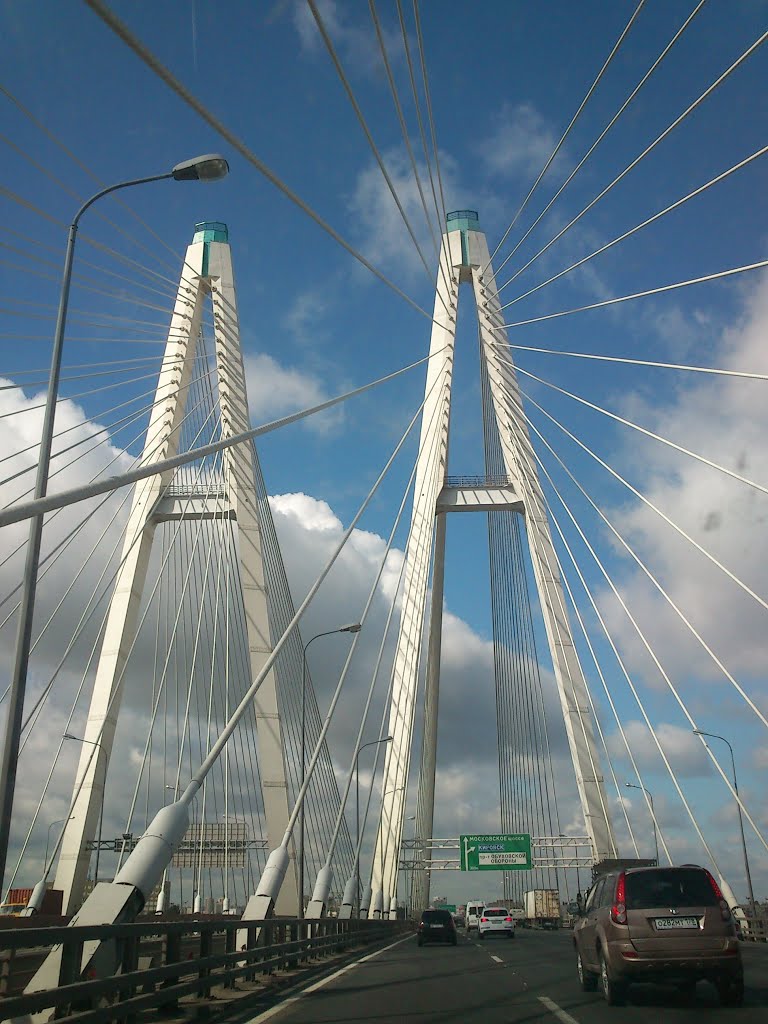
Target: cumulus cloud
683, 750
725, 420
378, 222
275, 390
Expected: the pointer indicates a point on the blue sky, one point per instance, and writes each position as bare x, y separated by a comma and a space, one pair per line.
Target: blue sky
505, 78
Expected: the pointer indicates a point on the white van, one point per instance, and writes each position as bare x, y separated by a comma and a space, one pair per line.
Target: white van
473, 913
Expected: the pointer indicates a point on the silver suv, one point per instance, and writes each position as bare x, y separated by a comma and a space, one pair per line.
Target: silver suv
661, 925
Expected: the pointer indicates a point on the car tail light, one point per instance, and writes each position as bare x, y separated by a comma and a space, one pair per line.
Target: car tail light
725, 912
484, 919
629, 955
507, 918
619, 908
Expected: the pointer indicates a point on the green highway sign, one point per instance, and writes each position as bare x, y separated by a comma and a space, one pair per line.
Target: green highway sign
495, 852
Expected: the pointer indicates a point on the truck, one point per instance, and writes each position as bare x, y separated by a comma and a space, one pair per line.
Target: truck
542, 908
17, 899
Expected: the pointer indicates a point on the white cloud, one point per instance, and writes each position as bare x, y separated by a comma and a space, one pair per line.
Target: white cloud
684, 751
302, 319
725, 420
520, 143
275, 390
378, 222
356, 44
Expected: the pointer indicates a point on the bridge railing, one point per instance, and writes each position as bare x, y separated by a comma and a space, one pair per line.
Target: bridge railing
476, 482
191, 957
754, 929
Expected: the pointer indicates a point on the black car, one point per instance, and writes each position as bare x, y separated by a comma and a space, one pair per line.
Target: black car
436, 926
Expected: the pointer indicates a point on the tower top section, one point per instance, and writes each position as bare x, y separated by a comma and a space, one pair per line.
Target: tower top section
211, 231
463, 220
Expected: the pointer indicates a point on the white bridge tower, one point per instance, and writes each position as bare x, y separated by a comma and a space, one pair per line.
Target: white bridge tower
464, 257
207, 274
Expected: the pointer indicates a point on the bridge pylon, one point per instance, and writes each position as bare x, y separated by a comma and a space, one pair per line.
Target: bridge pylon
464, 258
206, 274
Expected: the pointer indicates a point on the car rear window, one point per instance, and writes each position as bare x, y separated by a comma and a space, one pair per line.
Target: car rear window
436, 916
496, 912
669, 887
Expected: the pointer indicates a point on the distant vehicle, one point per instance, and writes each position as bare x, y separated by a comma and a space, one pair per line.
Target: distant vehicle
17, 900
658, 925
436, 926
472, 914
496, 921
542, 908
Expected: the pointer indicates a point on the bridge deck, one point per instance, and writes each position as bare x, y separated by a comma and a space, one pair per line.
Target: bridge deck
531, 979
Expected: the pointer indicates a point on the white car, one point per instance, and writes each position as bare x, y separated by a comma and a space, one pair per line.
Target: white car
472, 914
496, 921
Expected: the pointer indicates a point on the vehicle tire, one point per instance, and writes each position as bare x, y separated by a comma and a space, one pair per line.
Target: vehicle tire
731, 991
587, 979
511, 935
480, 934
614, 992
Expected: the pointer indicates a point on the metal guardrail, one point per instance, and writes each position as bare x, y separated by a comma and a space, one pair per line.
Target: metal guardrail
271, 945
756, 929
478, 481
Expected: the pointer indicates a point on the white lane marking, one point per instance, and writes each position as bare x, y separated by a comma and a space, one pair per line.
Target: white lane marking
497, 959
286, 1003
561, 1015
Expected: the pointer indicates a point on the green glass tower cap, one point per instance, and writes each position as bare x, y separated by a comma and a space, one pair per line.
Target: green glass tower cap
463, 220
211, 231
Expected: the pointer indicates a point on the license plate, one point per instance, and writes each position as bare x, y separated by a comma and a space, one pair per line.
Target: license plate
435, 926
665, 923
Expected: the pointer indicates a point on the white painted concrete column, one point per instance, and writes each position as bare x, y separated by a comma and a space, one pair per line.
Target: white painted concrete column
430, 475
241, 491
162, 442
521, 466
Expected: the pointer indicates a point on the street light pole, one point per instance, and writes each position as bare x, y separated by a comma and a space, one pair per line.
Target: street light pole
362, 747
715, 736
95, 743
204, 168
353, 627
632, 785
48, 840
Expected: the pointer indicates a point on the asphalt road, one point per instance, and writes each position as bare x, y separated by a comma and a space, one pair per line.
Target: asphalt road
528, 980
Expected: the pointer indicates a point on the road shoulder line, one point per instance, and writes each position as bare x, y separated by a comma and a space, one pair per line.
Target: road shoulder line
272, 1011
558, 1011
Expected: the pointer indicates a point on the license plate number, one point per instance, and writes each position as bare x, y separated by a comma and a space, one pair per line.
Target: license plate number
435, 926
666, 923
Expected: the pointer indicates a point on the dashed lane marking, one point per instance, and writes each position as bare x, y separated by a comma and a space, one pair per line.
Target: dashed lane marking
558, 1011
497, 959
286, 1003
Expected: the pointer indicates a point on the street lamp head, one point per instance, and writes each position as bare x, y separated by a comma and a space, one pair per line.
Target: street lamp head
209, 167
354, 627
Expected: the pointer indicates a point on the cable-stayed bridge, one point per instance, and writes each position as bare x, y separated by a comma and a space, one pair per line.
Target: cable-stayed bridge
168, 745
